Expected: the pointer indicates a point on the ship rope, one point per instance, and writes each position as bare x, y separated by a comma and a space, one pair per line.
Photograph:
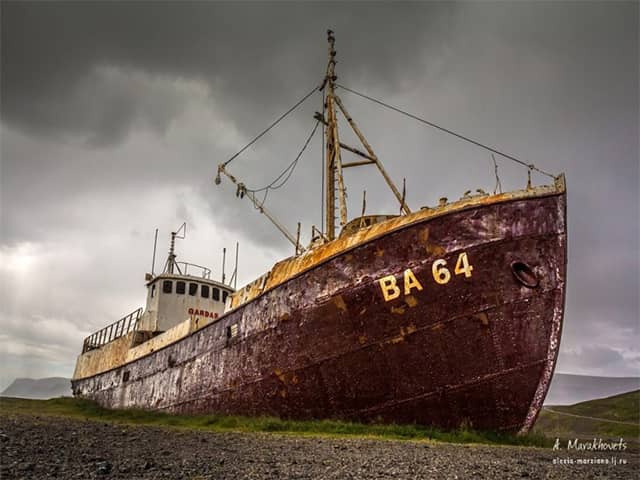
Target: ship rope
322, 168
278, 120
530, 166
279, 182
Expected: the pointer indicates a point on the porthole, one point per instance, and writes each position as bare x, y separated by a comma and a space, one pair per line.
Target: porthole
524, 274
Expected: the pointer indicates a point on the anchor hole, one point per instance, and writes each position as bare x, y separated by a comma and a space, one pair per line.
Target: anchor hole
525, 274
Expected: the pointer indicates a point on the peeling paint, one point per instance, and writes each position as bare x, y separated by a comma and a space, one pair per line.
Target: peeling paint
339, 302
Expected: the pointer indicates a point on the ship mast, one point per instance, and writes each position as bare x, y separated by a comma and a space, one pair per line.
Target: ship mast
334, 165
333, 158
333, 168
171, 259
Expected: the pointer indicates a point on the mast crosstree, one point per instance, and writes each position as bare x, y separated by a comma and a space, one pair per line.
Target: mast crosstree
334, 185
334, 165
334, 179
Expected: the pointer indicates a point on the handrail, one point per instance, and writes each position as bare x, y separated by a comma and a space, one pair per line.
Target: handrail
205, 272
111, 332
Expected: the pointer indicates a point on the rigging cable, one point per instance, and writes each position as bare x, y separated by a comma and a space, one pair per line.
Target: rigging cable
322, 147
286, 173
271, 126
462, 137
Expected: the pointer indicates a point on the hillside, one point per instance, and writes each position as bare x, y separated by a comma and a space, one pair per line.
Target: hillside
611, 417
42, 388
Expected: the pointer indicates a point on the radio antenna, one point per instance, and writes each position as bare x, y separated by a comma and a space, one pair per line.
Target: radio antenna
153, 260
224, 257
171, 260
234, 276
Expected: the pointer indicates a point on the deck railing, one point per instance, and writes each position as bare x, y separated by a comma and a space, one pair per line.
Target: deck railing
183, 268
111, 332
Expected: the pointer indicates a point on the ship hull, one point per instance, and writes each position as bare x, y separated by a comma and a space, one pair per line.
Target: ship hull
375, 333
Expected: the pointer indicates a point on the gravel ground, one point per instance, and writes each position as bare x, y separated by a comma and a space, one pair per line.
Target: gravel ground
49, 447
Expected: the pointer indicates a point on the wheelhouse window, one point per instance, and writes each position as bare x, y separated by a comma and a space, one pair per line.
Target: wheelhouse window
216, 294
167, 286
204, 292
193, 289
180, 288
153, 290
224, 295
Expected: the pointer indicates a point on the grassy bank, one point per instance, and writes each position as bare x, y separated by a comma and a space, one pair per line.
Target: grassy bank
612, 417
87, 410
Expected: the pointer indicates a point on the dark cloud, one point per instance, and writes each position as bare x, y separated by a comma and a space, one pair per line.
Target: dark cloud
252, 55
599, 359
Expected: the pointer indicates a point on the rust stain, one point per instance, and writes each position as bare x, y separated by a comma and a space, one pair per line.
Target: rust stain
379, 252
394, 340
285, 316
482, 316
404, 331
434, 249
429, 247
362, 339
411, 301
411, 328
281, 376
397, 310
339, 302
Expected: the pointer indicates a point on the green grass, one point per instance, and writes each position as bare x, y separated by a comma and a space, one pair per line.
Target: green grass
87, 410
621, 408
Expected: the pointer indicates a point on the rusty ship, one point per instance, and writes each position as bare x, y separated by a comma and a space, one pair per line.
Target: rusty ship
449, 315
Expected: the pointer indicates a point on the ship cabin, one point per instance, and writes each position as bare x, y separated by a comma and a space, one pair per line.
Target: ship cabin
173, 297
180, 300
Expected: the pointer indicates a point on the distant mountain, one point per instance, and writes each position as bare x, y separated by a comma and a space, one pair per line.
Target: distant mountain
42, 388
569, 389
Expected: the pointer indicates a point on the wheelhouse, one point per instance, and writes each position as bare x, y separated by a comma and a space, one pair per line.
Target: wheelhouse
174, 297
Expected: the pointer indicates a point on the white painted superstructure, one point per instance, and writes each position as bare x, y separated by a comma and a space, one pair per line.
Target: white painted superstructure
180, 300
173, 298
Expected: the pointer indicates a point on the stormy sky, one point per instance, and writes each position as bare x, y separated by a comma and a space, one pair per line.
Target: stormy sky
115, 115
